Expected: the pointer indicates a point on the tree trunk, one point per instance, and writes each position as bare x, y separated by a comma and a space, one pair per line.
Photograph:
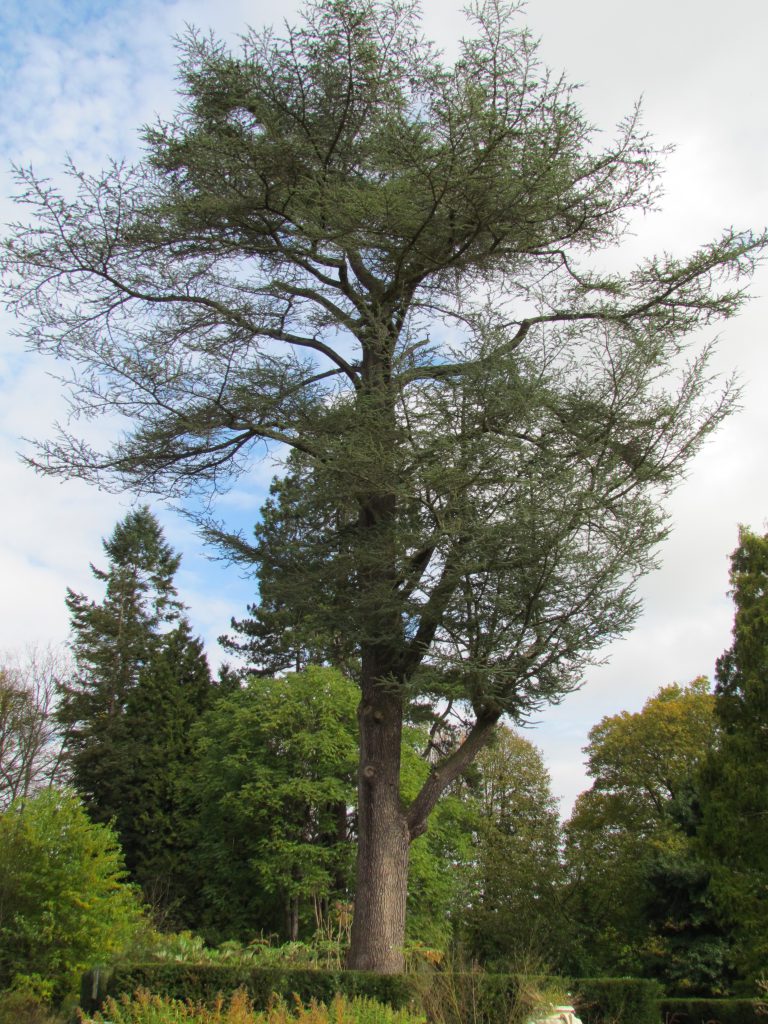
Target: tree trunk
378, 925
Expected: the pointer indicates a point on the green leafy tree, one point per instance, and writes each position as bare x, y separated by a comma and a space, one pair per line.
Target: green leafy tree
513, 912
64, 903
271, 786
343, 245
639, 891
734, 830
440, 859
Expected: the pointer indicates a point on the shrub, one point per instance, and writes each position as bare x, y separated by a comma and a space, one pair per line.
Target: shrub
203, 982
448, 997
144, 1008
608, 1000
711, 1011
28, 1002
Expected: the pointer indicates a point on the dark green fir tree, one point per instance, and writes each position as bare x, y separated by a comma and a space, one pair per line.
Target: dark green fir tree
142, 679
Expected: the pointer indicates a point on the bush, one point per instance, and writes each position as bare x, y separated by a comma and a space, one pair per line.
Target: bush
447, 997
151, 1009
202, 983
477, 997
607, 1000
28, 1002
63, 902
711, 1011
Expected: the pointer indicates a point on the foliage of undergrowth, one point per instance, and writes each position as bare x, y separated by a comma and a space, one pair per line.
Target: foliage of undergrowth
27, 1001
145, 1008
475, 997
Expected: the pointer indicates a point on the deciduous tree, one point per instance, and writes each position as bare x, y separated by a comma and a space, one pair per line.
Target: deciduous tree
346, 246
639, 889
30, 745
734, 829
513, 914
64, 903
270, 789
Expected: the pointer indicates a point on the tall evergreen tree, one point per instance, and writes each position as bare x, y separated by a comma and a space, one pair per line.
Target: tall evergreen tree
141, 680
173, 689
112, 641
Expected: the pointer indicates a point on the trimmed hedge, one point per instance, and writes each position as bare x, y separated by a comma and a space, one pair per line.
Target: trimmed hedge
711, 1011
597, 1000
627, 1000
201, 983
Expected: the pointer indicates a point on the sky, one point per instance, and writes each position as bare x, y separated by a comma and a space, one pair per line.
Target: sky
79, 78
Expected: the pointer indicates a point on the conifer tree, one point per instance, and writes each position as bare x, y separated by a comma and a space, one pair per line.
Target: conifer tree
172, 691
141, 680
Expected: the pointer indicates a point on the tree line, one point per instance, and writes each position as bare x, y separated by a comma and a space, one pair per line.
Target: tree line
233, 799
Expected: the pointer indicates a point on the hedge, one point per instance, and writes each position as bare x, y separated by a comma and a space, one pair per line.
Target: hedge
489, 995
606, 1000
711, 1011
201, 983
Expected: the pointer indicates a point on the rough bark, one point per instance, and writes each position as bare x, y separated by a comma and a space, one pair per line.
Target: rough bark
378, 927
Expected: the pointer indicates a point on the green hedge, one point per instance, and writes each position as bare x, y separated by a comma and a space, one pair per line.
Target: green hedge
485, 997
710, 1011
626, 1000
203, 982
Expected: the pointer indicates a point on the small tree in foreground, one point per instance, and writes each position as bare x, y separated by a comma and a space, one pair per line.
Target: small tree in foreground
346, 246
63, 902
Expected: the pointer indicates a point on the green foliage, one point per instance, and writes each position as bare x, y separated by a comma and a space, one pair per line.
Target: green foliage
623, 1000
63, 900
22, 1005
445, 995
268, 787
451, 996
711, 1011
733, 836
142, 680
203, 983
145, 1008
173, 689
512, 910
638, 896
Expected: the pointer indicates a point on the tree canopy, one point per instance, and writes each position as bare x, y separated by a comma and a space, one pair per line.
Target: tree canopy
344, 245
734, 828
639, 899
270, 786
63, 901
